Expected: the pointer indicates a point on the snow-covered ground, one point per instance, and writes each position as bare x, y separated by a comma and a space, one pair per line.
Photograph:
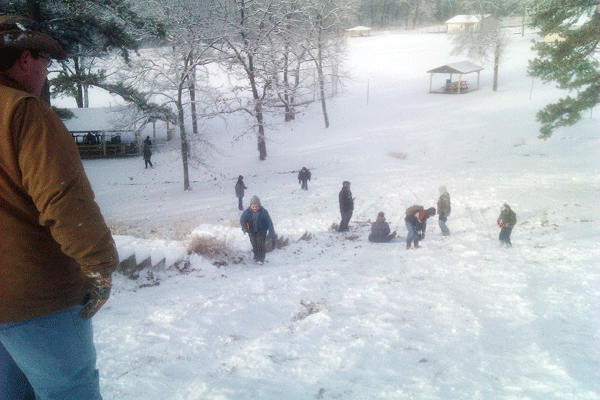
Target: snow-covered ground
337, 317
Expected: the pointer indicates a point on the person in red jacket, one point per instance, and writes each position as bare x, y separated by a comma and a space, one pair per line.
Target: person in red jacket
416, 223
56, 252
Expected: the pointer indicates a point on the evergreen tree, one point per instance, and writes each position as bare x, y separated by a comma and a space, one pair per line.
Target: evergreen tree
88, 30
570, 61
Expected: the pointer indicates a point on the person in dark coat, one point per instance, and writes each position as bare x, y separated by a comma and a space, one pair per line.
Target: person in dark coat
380, 230
147, 141
506, 221
346, 206
303, 177
443, 209
239, 191
416, 223
147, 153
256, 222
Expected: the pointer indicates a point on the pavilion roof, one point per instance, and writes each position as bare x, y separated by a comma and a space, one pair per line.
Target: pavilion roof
462, 67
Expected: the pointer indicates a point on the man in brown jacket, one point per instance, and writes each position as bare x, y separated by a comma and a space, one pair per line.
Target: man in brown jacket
56, 252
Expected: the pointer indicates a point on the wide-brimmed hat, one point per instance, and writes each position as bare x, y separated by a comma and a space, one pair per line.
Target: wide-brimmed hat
20, 33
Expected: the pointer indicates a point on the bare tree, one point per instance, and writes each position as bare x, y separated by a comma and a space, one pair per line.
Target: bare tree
246, 31
327, 40
485, 41
171, 72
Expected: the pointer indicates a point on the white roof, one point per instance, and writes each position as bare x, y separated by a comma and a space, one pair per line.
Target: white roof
98, 119
461, 67
466, 19
358, 28
553, 37
584, 18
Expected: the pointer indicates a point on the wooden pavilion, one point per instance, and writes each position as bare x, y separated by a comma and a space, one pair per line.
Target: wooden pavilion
459, 69
101, 132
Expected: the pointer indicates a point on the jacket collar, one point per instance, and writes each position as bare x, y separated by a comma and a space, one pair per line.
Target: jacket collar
11, 83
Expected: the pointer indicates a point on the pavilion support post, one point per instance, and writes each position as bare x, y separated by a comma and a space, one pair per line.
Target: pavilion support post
459, 82
430, 82
477, 79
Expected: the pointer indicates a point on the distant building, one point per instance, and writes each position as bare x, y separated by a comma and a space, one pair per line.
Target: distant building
358, 31
102, 131
585, 17
462, 23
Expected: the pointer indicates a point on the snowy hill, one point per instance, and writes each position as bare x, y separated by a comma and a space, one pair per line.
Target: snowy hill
337, 317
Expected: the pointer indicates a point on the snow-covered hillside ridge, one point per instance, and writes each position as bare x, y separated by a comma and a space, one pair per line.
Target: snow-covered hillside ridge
337, 316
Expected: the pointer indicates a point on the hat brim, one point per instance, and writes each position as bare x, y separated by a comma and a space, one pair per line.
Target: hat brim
31, 40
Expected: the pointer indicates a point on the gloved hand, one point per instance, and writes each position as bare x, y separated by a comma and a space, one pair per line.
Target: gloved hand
501, 223
98, 295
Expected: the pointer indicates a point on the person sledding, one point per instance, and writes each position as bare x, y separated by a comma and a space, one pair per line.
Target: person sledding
380, 230
416, 223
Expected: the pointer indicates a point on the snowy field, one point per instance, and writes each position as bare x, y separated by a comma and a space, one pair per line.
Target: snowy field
337, 317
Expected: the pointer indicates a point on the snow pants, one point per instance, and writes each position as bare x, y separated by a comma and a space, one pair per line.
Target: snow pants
379, 239
49, 358
240, 205
304, 185
345, 221
505, 235
259, 245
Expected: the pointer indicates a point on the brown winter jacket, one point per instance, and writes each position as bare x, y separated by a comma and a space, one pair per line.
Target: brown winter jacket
52, 235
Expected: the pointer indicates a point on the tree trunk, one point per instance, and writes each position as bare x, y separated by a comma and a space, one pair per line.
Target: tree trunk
45, 95
262, 145
258, 111
287, 98
496, 66
79, 92
193, 101
321, 75
184, 142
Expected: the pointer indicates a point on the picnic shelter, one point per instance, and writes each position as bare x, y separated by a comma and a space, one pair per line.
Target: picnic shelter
458, 69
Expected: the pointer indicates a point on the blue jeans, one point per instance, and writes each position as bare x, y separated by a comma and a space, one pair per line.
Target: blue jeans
52, 356
412, 234
443, 226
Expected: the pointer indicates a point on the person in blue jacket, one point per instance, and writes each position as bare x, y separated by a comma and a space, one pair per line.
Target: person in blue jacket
256, 222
